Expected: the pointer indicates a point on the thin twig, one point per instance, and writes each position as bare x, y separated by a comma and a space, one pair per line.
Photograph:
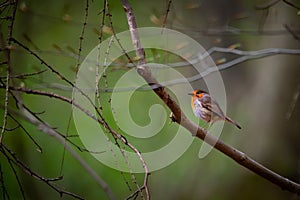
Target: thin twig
245, 56
32, 118
267, 5
51, 132
166, 15
16, 176
292, 32
291, 4
3, 188
105, 12
22, 76
81, 37
39, 148
293, 103
27, 170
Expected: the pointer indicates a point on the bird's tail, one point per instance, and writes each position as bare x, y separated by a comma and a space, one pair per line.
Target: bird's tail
233, 122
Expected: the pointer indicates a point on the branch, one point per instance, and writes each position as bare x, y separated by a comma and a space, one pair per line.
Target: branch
45, 128
267, 5
5, 45
13, 159
244, 56
291, 4
199, 132
50, 131
166, 15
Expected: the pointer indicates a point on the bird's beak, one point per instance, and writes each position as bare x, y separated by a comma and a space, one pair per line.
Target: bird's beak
190, 94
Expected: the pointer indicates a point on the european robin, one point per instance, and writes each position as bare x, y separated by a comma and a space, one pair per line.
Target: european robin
207, 109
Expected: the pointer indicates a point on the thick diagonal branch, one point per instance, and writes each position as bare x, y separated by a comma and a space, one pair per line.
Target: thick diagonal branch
199, 132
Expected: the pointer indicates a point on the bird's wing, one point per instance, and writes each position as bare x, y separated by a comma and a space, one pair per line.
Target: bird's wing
211, 105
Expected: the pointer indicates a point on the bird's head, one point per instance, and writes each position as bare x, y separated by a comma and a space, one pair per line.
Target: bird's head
197, 93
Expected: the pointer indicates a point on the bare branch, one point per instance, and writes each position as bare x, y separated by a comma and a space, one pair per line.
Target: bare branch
292, 32
267, 5
22, 76
291, 4
42, 61
39, 148
245, 56
5, 46
82, 32
16, 176
51, 132
293, 103
181, 119
4, 190
14, 159
166, 15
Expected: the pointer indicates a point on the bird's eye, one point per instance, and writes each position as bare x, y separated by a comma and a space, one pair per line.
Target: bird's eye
198, 92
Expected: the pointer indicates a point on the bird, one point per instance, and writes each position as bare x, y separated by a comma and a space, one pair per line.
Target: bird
206, 108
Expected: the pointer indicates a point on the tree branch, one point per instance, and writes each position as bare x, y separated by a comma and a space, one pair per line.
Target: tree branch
45, 128
51, 132
199, 132
29, 116
6, 45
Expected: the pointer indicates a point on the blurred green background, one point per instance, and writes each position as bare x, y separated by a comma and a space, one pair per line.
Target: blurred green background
259, 96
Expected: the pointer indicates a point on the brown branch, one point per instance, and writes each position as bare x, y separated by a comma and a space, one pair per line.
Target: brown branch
16, 175
7, 51
23, 76
291, 4
48, 130
290, 30
293, 103
166, 15
3, 188
56, 96
13, 159
29, 116
240, 157
267, 5
82, 33
42, 61
39, 148
106, 12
